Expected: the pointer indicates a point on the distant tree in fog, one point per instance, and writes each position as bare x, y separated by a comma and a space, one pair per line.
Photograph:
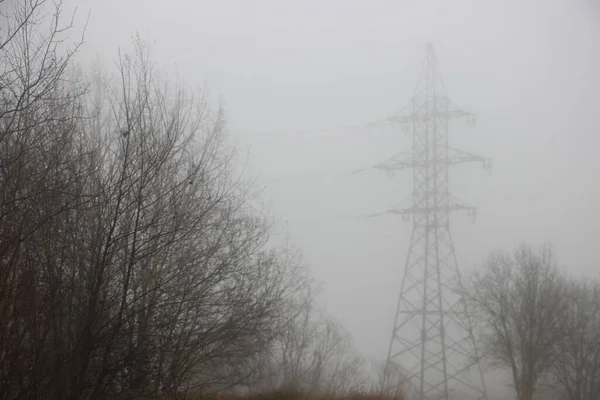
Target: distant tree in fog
575, 374
518, 301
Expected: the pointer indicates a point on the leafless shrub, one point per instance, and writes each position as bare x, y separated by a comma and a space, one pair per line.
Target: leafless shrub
311, 353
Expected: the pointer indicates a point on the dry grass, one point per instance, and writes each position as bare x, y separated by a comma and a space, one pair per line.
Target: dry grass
290, 394
282, 394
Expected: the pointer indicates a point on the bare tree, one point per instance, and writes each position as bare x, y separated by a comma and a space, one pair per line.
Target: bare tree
575, 374
518, 302
390, 381
130, 258
39, 113
180, 289
131, 261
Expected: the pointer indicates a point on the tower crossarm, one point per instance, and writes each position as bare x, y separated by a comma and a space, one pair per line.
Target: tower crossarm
454, 204
445, 109
450, 110
397, 162
407, 160
424, 210
456, 156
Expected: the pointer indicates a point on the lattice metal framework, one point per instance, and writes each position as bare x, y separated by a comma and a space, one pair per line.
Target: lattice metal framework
432, 344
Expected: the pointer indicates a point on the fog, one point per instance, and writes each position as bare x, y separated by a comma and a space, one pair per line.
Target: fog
302, 81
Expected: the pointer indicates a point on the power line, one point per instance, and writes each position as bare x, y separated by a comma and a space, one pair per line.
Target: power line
284, 132
322, 174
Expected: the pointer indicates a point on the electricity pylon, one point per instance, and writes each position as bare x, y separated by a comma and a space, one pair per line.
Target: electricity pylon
432, 345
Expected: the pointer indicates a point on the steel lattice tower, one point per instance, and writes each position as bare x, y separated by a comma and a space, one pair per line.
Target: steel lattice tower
432, 344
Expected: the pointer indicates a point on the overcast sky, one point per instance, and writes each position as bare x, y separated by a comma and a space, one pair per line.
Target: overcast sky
296, 76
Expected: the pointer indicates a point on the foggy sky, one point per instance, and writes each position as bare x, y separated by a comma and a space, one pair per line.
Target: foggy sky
529, 69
